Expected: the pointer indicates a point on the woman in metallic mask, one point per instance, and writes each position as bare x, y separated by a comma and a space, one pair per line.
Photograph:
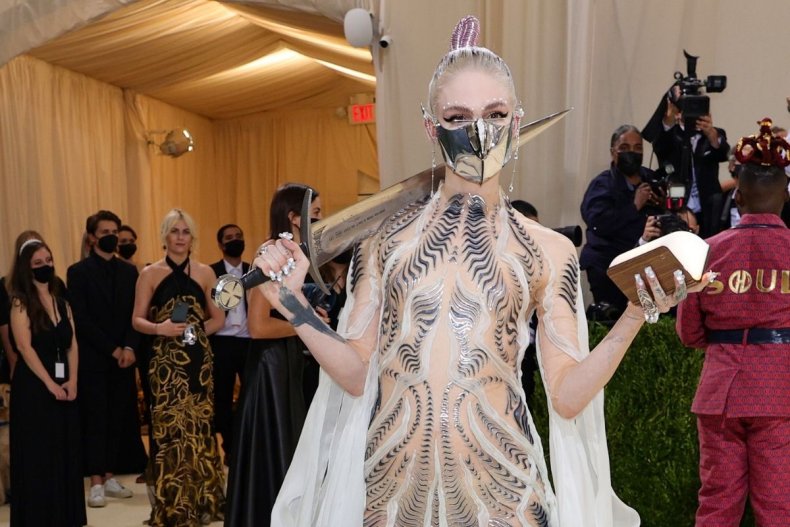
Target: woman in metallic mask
420, 418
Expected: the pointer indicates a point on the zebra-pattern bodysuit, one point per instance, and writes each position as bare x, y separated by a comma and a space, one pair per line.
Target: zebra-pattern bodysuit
451, 441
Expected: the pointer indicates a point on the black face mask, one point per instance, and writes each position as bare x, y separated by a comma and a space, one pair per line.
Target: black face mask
43, 274
629, 163
234, 248
127, 251
108, 243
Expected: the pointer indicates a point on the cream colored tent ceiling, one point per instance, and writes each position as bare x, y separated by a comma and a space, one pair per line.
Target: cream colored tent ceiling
218, 59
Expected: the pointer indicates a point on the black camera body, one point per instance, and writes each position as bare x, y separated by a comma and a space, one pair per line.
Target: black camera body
691, 100
658, 183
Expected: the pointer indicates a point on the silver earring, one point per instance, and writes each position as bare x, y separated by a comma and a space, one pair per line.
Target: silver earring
433, 165
515, 162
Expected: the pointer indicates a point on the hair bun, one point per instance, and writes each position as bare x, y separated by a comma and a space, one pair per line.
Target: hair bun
466, 33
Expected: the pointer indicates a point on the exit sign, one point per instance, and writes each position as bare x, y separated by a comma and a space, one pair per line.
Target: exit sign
362, 113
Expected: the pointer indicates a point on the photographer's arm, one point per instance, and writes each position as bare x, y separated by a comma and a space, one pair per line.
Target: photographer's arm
652, 230
603, 213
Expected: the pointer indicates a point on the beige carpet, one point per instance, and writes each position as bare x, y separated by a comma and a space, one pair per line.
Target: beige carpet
118, 513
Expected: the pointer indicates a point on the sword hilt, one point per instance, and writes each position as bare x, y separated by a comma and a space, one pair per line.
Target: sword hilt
229, 290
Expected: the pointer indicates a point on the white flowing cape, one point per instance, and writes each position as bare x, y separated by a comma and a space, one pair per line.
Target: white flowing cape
325, 484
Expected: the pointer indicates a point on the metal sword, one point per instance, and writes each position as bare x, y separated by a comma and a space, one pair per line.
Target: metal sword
325, 239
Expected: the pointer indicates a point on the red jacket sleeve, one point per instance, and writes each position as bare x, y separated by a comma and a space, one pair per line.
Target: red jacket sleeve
690, 324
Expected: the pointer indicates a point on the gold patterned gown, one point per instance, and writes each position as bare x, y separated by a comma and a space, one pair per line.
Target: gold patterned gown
184, 466
451, 441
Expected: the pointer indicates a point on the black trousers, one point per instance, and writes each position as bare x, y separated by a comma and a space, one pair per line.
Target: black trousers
604, 290
108, 413
230, 354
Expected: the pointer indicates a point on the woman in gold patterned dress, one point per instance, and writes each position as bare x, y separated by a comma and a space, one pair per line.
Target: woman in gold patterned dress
184, 475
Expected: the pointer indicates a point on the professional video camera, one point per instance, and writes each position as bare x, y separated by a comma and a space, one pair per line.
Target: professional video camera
690, 100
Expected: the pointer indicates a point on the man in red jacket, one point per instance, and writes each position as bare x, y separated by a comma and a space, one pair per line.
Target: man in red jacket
742, 319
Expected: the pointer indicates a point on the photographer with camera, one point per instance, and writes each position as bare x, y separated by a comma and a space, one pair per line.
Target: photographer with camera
615, 208
689, 148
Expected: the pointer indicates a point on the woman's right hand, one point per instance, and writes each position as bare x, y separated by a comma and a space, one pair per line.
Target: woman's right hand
652, 229
168, 328
273, 259
57, 390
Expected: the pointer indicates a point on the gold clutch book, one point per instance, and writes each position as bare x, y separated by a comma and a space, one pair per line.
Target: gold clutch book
678, 250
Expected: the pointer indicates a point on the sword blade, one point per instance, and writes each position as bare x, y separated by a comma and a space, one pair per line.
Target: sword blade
324, 240
327, 238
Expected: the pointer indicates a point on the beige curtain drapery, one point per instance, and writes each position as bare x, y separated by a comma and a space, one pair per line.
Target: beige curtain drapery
70, 145
609, 59
315, 147
61, 154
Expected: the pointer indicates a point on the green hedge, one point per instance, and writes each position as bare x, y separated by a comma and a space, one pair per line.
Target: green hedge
651, 431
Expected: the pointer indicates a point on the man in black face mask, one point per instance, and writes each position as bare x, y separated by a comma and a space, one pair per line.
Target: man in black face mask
615, 208
101, 291
127, 244
230, 344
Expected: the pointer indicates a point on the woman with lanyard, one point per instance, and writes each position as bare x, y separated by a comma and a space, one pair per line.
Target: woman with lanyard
46, 471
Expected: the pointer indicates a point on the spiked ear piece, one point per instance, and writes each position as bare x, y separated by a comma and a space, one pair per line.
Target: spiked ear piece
430, 123
518, 114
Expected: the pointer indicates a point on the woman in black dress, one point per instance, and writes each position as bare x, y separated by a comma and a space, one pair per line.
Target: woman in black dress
9, 348
271, 409
184, 476
46, 469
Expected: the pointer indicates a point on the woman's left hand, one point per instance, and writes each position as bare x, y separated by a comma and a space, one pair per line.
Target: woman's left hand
656, 301
70, 388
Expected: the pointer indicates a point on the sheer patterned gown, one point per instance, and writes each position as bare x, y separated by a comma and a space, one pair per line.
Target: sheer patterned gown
184, 466
451, 441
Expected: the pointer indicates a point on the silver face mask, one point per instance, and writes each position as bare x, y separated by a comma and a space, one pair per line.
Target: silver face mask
478, 150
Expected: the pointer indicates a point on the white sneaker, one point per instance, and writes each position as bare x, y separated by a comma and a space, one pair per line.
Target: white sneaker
114, 489
96, 499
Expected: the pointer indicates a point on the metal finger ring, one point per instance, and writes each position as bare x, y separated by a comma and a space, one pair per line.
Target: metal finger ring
272, 275
278, 277
286, 236
658, 291
262, 250
648, 306
680, 285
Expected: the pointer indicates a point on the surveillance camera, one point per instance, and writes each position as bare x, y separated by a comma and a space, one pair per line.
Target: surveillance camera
385, 41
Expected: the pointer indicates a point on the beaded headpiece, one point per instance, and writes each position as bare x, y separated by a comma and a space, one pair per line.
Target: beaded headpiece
466, 33
764, 148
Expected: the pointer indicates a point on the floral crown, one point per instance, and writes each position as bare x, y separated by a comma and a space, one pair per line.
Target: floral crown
764, 148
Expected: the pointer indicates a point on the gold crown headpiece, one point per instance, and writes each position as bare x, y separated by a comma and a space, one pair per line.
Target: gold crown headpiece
764, 148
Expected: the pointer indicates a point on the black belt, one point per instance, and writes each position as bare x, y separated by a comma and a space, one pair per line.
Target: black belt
750, 336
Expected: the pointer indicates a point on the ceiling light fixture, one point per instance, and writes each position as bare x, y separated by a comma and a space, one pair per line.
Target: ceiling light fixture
176, 143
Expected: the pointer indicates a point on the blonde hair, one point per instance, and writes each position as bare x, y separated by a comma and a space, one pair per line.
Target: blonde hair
470, 58
170, 219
